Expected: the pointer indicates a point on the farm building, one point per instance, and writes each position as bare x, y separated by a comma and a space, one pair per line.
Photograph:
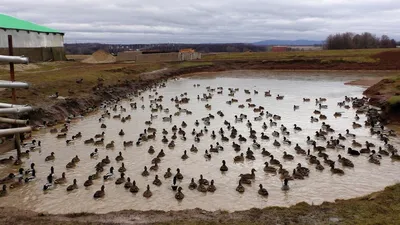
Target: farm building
37, 42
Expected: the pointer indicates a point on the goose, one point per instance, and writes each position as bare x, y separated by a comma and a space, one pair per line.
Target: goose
240, 187
262, 191
223, 168
100, 193
287, 156
350, 151
119, 157
61, 180
157, 181
336, 170
285, 186
94, 154
73, 186
348, 134
48, 158
249, 176
297, 128
109, 175
345, 162
269, 169
192, 185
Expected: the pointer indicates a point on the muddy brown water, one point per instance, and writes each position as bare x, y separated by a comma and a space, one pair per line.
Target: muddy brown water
319, 187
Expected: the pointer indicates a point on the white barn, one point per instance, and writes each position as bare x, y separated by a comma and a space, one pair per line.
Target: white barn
37, 42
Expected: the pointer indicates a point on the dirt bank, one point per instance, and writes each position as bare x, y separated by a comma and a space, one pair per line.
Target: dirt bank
377, 208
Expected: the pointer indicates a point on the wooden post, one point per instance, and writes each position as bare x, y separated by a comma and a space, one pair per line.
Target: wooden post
14, 97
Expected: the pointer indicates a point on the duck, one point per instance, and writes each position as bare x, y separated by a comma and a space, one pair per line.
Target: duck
350, 151
302, 170
167, 119
356, 125
61, 180
297, 175
100, 193
223, 168
202, 180
178, 174
110, 145
318, 148
383, 152
365, 150
241, 138
264, 126
345, 162
119, 157
179, 195
89, 141
31, 177
88, 182
256, 145
287, 156
128, 183
207, 155
121, 179
348, 134
109, 175
336, 170
192, 185
374, 160
201, 188
239, 158
99, 142
99, 135
310, 141
48, 158
134, 188
70, 165
49, 185
356, 144
269, 169
94, 154
395, 157
248, 176
145, 173
17, 184
157, 181
286, 141
106, 160
276, 143
319, 166
262, 191
296, 128
73, 186
211, 187
171, 144
273, 161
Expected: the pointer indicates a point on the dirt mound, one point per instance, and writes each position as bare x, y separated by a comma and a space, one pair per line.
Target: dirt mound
388, 56
100, 56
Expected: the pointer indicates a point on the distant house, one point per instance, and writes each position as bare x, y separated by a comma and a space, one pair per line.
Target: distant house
37, 42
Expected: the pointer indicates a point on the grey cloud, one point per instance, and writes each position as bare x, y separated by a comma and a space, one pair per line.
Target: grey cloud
193, 21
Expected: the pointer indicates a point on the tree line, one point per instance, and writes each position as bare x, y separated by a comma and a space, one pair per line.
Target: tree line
350, 40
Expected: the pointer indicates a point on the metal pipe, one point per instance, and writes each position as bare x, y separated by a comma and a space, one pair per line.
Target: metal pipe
13, 121
16, 110
13, 84
6, 105
14, 59
4, 132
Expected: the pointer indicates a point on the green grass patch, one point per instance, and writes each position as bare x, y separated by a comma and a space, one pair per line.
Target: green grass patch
187, 64
394, 100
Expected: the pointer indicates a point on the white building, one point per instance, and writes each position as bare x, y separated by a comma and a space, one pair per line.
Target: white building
37, 42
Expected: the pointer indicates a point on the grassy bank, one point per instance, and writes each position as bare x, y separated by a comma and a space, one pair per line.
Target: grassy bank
381, 207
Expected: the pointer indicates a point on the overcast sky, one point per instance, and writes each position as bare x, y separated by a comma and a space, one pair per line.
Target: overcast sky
206, 21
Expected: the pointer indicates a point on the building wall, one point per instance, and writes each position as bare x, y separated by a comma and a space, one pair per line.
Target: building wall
127, 56
157, 57
187, 56
38, 54
30, 39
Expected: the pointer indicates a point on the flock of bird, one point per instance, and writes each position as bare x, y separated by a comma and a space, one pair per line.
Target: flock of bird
247, 145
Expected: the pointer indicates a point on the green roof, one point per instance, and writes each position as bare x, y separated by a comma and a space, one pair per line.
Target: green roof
9, 22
